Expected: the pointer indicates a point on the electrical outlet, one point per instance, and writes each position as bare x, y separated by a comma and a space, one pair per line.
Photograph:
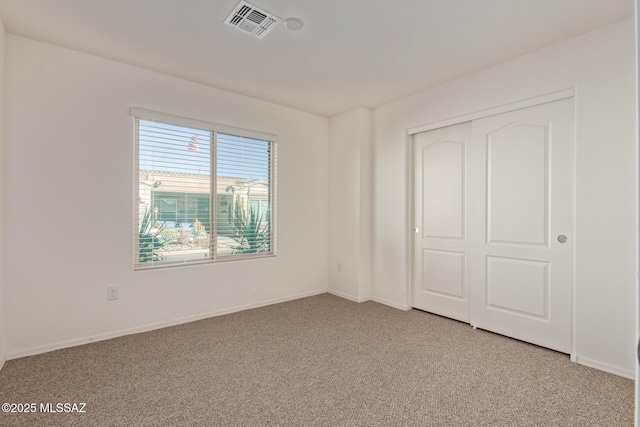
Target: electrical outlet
339, 266
113, 292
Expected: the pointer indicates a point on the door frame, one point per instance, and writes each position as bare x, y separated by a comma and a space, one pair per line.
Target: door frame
409, 205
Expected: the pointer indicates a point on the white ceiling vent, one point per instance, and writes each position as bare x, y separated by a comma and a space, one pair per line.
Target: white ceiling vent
251, 19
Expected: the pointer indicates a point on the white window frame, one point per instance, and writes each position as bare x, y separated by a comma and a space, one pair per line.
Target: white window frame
149, 115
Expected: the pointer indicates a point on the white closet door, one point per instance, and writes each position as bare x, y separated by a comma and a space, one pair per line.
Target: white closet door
440, 239
493, 209
520, 184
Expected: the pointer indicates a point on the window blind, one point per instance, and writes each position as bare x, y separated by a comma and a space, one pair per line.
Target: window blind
204, 192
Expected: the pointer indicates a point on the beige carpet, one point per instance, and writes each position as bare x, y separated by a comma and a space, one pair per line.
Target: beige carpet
318, 361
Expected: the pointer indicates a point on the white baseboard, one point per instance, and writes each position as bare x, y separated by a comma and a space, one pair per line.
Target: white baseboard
616, 370
347, 296
393, 304
152, 326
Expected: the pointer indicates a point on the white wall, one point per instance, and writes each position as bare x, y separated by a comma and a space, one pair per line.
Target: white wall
350, 204
69, 202
3, 323
637, 365
600, 65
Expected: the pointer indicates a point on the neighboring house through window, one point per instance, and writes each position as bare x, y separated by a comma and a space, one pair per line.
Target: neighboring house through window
204, 192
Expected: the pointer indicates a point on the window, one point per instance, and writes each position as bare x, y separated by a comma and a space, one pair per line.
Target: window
204, 192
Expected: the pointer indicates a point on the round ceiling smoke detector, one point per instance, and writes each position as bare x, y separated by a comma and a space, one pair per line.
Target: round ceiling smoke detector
293, 24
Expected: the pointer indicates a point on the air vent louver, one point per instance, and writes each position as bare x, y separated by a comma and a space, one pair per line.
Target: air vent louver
251, 19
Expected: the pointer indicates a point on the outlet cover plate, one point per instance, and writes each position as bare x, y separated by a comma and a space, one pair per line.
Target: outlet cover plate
113, 293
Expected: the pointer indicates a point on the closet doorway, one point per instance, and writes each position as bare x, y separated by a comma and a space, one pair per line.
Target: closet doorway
493, 223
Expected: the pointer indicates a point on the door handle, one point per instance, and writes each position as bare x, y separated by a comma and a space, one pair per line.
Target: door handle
562, 238
416, 230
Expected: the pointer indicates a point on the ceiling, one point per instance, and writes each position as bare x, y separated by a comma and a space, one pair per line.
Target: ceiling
350, 53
